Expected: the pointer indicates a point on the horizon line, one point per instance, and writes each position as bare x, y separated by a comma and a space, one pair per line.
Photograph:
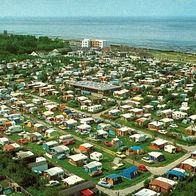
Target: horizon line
187, 16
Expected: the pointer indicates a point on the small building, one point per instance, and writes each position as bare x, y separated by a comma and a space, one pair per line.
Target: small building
15, 129
114, 112
130, 172
71, 123
155, 125
177, 173
39, 166
113, 179
158, 144
96, 156
34, 137
67, 139
95, 108
189, 165
162, 185
146, 192
97, 87
48, 145
11, 147
135, 150
84, 128
72, 180
93, 168
24, 155
54, 173
39, 127
156, 156
3, 141
50, 133
78, 159
170, 148
191, 130
123, 131
138, 137
178, 115
86, 148
59, 151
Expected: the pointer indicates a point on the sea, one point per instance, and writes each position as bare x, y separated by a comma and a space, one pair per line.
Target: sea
164, 33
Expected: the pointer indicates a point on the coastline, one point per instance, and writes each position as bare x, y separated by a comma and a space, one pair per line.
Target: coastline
162, 33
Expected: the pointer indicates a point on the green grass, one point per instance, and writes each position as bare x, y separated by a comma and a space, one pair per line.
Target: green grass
173, 56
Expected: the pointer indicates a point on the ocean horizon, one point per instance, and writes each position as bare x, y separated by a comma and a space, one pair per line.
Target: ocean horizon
163, 33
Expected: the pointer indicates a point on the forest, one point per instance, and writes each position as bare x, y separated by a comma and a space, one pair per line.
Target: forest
25, 44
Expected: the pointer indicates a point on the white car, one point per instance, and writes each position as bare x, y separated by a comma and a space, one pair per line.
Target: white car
53, 183
121, 155
147, 160
163, 132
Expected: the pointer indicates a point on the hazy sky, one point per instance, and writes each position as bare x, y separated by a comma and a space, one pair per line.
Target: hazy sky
60, 8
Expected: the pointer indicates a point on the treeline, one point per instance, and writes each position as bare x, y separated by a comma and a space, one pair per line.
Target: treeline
25, 44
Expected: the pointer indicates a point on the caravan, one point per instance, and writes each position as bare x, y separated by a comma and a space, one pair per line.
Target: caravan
97, 156
66, 139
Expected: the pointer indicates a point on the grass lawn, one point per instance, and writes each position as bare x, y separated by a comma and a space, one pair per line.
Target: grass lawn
173, 56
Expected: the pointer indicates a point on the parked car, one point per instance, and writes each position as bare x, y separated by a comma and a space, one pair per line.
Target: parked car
121, 155
162, 132
53, 183
104, 184
147, 160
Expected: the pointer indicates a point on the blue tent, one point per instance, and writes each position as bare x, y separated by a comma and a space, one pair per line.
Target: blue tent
130, 172
135, 148
176, 174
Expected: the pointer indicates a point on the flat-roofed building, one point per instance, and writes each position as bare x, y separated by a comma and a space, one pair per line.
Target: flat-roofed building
96, 87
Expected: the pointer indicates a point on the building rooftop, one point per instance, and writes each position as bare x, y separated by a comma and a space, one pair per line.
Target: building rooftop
95, 85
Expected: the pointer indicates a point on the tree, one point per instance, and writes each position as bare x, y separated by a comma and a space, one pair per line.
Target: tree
43, 76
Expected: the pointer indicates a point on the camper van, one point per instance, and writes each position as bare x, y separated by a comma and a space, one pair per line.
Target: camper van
66, 139
97, 156
15, 129
170, 148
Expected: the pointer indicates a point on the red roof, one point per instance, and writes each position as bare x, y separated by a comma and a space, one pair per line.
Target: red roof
87, 192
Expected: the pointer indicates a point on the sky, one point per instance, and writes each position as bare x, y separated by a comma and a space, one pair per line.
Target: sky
96, 8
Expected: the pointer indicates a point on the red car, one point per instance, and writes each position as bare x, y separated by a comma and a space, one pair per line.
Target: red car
142, 168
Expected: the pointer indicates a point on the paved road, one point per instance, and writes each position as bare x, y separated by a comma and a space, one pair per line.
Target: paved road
125, 191
164, 169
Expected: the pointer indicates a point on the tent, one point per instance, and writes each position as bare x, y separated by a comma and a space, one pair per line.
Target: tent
130, 172
112, 133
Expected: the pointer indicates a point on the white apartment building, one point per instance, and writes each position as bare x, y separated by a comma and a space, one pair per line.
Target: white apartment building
86, 43
93, 43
